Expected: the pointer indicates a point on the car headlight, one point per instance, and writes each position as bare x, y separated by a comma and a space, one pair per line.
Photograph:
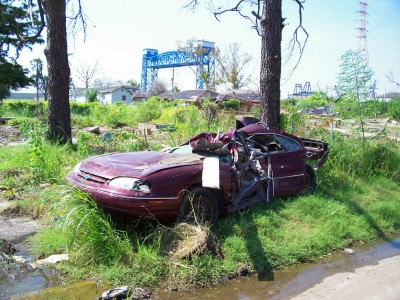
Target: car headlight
77, 168
131, 184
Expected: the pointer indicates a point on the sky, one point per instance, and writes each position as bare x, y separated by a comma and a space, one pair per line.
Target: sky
119, 30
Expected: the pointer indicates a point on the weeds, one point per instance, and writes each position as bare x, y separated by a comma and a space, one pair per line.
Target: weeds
88, 232
357, 200
115, 141
36, 132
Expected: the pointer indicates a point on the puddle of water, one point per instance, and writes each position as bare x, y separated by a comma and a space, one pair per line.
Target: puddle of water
293, 280
284, 284
79, 290
24, 283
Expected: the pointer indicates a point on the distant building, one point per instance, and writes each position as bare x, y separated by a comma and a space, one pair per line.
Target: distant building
248, 99
109, 95
390, 96
140, 96
25, 96
319, 111
191, 95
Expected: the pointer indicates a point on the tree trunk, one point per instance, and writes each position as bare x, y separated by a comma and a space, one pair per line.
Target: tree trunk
58, 71
270, 73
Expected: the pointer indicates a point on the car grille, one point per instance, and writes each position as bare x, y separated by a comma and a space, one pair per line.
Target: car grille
92, 177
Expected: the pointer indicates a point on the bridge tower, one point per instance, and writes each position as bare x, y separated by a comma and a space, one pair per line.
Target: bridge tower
202, 58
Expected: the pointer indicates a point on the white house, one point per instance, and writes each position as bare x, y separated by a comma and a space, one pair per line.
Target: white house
109, 95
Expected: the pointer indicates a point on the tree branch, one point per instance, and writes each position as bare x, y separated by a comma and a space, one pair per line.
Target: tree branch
192, 5
295, 39
78, 17
26, 39
390, 77
238, 9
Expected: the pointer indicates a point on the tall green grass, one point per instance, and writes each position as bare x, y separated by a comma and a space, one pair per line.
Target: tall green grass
89, 234
358, 199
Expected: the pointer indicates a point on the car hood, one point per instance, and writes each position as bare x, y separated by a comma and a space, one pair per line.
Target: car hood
136, 164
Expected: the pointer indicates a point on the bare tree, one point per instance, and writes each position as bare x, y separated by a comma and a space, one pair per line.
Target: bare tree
266, 19
100, 83
231, 67
191, 49
390, 77
158, 87
86, 74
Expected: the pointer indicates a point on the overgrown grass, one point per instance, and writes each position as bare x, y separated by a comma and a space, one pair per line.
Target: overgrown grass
298, 229
358, 199
348, 108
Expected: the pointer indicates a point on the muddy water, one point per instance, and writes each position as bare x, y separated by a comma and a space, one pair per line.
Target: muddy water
284, 284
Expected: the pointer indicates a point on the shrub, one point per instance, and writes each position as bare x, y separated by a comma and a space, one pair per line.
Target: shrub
26, 108
82, 109
319, 99
91, 95
231, 104
150, 109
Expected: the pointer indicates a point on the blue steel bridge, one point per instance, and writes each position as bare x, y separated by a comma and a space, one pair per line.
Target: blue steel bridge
202, 58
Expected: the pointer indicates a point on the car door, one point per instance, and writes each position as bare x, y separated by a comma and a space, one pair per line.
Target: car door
285, 164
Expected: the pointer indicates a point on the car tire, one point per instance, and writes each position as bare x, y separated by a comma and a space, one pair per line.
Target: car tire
311, 181
199, 206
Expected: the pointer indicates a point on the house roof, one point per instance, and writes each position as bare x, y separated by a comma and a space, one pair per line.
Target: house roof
140, 95
110, 89
24, 96
114, 88
245, 96
390, 95
191, 95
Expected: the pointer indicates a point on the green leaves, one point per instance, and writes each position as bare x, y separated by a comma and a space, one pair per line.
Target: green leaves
17, 22
355, 76
36, 133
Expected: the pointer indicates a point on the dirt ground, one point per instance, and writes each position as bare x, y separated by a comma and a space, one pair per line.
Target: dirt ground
381, 281
10, 135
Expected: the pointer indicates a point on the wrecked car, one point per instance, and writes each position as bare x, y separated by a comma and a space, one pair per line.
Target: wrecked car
206, 178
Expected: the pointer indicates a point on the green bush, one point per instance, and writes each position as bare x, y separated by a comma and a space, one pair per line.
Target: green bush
231, 104
25, 108
393, 108
381, 158
118, 141
151, 109
291, 121
82, 109
347, 108
319, 99
91, 95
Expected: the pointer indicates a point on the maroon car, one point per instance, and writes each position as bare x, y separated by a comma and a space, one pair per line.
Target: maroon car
208, 177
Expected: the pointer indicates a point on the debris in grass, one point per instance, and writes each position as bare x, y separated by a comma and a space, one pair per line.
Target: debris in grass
185, 240
52, 259
7, 247
349, 251
95, 129
139, 293
115, 293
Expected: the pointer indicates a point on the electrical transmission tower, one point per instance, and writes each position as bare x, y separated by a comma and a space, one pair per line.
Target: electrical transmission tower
362, 29
362, 36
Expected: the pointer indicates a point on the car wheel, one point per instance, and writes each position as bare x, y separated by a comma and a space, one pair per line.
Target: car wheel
311, 181
198, 206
